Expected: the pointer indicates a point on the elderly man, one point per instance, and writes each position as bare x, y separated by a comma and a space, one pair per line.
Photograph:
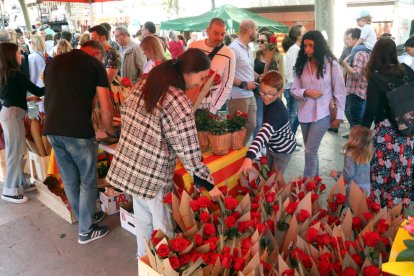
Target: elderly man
241, 96
4, 36
132, 58
68, 126
222, 61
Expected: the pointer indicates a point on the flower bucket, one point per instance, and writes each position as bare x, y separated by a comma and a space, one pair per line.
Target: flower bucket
203, 140
237, 139
220, 144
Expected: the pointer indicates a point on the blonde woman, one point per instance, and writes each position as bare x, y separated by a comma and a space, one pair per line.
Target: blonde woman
152, 48
63, 46
85, 37
37, 62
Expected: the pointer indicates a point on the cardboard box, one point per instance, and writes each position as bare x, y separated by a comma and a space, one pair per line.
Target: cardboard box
38, 167
55, 203
110, 203
127, 217
144, 267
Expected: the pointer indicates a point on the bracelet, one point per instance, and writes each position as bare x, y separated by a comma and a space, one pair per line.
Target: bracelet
243, 85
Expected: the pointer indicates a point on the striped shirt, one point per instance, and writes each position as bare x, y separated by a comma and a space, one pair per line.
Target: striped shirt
275, 132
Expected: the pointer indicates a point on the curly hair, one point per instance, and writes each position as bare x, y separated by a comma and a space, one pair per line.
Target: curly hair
321, 50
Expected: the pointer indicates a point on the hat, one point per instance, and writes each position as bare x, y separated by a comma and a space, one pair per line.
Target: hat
363, 13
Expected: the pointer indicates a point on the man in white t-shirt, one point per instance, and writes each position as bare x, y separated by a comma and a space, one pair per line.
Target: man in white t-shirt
223, 62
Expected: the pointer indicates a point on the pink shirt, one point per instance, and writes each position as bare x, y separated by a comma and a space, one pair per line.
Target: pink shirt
176, 48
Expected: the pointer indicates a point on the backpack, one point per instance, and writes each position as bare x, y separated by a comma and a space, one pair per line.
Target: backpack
401, 104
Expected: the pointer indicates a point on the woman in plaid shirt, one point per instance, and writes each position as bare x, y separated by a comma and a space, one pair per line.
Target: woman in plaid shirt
157, 127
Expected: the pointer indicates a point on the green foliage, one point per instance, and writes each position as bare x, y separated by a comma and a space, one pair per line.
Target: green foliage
202, 119
237, 121
217, 125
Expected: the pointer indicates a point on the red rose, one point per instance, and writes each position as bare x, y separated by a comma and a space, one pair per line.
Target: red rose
226, 262
126, 82
385, 241
348, 244
195, 256
179, 244
238, 264
303, 215
270, 197
209, 229
168, 199
229, 116
223, 189
301, 195
271, 225
243, 225
174, 262
273, 40
333, 220
261, 228
325, 268
263, 160
267, 267
371, 270
349, 271
230, 203
184, 259
255, 215
367, 215
215, 219
275, 208
357, 223
371, 239
198, 239
311, 235
375, 207
288, 272
210, 258
205, 217
213, 242
314, 197
382, 226
327, 257
323, 240
246, 243
357, 259
254, 207
204, 202
155, 241
163, 251
230, 222
217, 79
333, 206
291, 208
226, 250
236, 215
340, 199
194, 205
317, 179
311, 186
322, 188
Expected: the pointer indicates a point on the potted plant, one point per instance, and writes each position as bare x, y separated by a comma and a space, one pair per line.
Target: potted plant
202, 124
236, 124
219, 137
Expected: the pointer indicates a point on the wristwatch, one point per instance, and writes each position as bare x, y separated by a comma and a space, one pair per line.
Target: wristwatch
243, 85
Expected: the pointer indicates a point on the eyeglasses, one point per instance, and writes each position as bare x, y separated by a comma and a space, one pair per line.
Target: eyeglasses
267, 94
261, 41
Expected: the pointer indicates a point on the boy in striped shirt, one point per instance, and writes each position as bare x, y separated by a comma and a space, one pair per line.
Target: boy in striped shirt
275, 134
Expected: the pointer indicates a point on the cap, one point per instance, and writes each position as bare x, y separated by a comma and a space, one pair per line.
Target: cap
363, 13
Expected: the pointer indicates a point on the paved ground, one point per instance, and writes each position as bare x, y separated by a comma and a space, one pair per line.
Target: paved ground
35, 241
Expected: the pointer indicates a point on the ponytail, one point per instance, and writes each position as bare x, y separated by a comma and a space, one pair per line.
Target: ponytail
291, 37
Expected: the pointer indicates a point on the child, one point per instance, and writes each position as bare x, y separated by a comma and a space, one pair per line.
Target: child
358, 152
368, 36
408, 56
275, 133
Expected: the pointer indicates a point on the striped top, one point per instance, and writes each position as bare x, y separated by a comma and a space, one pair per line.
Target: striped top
275, 132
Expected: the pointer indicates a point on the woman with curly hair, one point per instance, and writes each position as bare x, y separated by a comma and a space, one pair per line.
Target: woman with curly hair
392, 164
318, 78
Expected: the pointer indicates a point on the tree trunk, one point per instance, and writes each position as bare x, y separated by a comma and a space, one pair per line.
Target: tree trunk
73, 26
213, 4
324, 19
26, 15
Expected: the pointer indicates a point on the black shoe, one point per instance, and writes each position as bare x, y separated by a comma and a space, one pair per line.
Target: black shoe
97, 232
345, 136
98, 217
15, 199
333, 130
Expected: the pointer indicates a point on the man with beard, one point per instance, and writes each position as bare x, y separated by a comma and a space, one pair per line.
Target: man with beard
241, 96
222, 61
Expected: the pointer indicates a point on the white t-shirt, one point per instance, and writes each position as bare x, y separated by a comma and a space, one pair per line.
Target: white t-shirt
369, 36
290, 61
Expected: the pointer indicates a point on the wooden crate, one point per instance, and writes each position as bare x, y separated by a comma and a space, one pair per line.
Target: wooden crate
38, 167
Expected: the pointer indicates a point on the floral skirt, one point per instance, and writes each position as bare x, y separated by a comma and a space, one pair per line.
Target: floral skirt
391, 166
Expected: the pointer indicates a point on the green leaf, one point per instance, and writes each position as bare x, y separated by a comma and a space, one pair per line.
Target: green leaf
406, 256
409, 244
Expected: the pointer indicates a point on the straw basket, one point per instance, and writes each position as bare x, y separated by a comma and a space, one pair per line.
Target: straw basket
237, 139
220, 144
203, 140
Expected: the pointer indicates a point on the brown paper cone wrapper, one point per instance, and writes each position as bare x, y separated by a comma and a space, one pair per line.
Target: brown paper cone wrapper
203, 140
237, 139
220, 144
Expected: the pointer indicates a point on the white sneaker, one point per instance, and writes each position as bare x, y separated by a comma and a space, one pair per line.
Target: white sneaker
15, 199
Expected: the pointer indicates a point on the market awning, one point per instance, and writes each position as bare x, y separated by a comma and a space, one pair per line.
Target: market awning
230, 14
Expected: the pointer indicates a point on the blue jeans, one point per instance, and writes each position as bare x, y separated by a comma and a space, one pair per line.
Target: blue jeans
312, 137
11, 119
76, 159
356, 49
354, 109
292, 108
259, 115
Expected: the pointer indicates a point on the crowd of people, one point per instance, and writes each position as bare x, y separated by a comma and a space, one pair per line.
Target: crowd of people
157, 120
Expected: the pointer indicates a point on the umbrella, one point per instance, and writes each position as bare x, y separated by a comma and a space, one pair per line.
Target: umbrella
230, 14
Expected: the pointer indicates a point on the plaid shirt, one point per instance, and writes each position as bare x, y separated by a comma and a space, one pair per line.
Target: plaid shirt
149, 145
356, 82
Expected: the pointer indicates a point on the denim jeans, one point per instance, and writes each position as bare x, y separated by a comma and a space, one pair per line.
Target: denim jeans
247, 105
356, 49
312, 137
278, 160
292, 108
354, 109
259, 115
11, 119
150, 215
76, 159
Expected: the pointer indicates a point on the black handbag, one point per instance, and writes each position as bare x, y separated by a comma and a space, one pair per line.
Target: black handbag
401, 104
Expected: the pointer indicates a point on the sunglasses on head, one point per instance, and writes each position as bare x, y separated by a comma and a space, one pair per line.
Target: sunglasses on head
261, 41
